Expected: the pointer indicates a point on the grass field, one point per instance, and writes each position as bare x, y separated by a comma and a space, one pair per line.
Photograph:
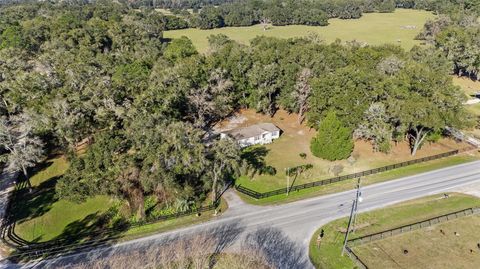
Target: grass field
328, 255
41, 216
373, 28
428, 247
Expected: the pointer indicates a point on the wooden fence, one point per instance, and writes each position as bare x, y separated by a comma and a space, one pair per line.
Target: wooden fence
262, 195
412, 227
402, 229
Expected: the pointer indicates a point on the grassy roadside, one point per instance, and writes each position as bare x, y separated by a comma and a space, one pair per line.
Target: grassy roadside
328, 255
163, 226
372, 179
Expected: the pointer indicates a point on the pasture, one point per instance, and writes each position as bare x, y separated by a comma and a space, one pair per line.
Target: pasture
328, 254
399, 28
432, 247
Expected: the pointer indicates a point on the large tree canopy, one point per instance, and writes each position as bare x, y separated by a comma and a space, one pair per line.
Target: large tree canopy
102, 73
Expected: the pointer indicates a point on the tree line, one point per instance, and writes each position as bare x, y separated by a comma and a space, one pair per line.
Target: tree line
457, 34
209, 14
102, 73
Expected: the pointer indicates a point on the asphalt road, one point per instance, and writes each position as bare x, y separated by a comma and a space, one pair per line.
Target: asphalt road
284, 231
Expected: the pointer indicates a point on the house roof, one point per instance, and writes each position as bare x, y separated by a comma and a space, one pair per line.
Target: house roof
251, 131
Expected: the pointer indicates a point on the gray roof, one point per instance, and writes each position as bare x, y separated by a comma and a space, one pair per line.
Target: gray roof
251, 131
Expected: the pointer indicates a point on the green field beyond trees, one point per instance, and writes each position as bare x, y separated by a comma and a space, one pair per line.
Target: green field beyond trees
399, 27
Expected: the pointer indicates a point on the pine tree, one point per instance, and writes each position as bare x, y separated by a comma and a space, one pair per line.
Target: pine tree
333, 140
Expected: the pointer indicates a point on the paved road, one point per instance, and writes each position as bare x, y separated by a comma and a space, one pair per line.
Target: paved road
284, 231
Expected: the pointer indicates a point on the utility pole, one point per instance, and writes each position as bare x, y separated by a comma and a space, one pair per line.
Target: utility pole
288, 179
353, 214
359, 200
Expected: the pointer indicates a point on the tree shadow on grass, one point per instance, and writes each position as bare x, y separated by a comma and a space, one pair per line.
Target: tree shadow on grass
26, 204
255, 158
93, 230
29, 205
279, 250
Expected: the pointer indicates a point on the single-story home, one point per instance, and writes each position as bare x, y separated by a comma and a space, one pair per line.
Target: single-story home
263, 133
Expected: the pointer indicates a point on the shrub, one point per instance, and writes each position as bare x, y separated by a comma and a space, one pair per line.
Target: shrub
433, 137
384, 146
333, 141
269, 170
303, 155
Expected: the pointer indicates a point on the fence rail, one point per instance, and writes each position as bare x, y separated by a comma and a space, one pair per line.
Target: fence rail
355, 258
260, 195
403, 229
412, 227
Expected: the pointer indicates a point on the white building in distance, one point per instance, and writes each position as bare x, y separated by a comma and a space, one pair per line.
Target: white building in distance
258, 134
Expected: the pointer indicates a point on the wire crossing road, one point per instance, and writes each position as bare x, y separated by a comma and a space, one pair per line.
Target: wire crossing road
284, 231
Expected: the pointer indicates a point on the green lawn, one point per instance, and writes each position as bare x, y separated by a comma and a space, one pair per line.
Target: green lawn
41, 216
427, 247
61, 214
350, 184
295, 139
53, 168
328, 255
373, 28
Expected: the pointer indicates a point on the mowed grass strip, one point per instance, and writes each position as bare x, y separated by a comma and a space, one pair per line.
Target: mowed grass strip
372, 179
428, 247
328, 254
400, 27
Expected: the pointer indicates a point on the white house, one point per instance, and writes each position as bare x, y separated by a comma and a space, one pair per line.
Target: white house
263, 133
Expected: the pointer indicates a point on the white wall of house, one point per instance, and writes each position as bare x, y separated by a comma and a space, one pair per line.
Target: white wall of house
265, 138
